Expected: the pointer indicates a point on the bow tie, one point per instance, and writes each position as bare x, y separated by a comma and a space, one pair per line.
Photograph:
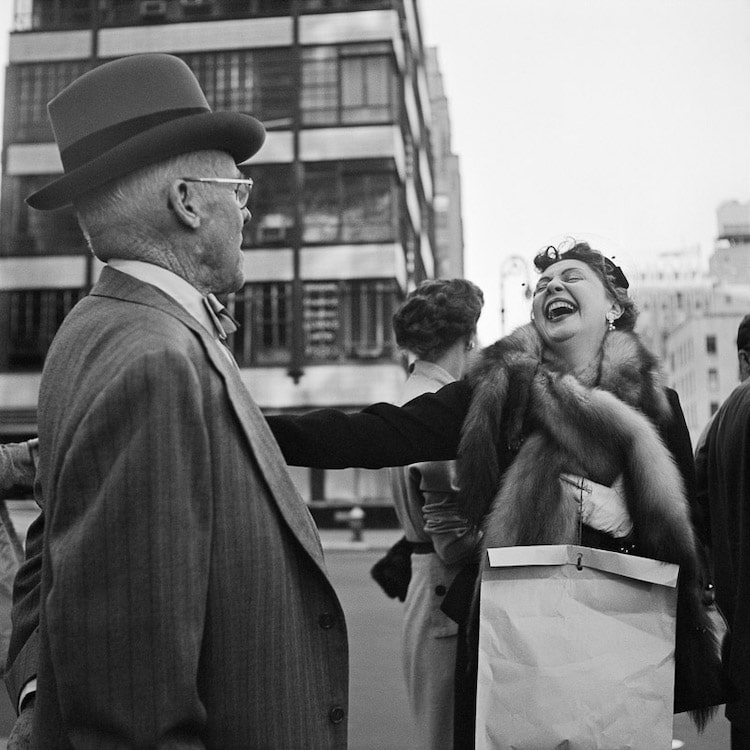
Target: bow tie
224, 323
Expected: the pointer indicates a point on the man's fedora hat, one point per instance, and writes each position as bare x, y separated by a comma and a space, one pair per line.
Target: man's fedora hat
132, 112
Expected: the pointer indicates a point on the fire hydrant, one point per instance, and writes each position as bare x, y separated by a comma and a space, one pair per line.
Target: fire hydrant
356, 523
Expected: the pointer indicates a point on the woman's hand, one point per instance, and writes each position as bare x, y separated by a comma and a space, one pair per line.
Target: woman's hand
602, 508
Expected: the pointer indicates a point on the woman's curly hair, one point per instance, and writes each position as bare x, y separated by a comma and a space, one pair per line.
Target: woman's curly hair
611, 275
436, 314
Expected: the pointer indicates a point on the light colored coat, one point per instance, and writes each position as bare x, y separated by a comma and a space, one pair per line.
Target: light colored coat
424, 495
185, 601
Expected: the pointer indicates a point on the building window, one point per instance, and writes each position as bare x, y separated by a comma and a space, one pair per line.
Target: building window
342, 320
34, 315
257, 82
348, 85
321, 312
714, 407
271, 205
368, 314
265, 314
54, 14
30, 87
713, 379
33, 232
349, 202
711, 344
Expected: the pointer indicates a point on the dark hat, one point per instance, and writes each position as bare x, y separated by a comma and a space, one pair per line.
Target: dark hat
133, 112
571, 249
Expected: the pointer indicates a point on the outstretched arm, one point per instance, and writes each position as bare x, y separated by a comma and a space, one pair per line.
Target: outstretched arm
428, 428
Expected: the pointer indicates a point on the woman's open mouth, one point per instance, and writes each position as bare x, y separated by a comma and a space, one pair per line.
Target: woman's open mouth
559, 309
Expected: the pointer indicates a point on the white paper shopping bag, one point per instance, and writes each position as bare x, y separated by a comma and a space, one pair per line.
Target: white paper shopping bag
576, 650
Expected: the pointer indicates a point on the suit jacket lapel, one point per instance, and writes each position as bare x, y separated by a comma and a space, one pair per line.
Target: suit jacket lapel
113, 283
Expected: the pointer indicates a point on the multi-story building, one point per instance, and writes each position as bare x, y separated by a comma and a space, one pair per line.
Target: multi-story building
689, 313
343, 204
673, 287
702, 351
702, 361
449, 232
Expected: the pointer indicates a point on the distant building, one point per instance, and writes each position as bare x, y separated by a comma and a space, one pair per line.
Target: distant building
731, 259
702, 360
671, 289
344, 205
689, 313
449, 233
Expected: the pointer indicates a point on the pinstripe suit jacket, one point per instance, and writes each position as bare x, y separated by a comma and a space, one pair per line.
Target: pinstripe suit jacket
184, 598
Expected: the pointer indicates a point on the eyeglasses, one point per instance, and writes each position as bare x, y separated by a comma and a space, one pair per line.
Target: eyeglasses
242, 187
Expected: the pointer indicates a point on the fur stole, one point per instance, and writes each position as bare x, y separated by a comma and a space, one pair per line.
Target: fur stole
560, 425
528, 422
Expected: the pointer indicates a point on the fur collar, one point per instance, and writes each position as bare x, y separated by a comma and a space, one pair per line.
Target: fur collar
523, 404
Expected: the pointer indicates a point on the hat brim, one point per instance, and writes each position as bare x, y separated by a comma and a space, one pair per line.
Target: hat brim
239, 135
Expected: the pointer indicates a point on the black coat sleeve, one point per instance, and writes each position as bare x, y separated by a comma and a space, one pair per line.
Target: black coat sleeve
677, 438
23, 651
428, 428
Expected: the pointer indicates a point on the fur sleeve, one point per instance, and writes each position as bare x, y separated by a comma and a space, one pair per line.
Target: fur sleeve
500, 383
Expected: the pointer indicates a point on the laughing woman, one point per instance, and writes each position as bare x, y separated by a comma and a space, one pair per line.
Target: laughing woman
571, 408
568, 407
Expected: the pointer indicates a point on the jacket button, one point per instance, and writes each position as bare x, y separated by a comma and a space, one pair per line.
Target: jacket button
440, 590
336, 715
326, 621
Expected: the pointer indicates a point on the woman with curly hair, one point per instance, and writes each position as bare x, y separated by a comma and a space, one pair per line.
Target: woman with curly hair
436, 326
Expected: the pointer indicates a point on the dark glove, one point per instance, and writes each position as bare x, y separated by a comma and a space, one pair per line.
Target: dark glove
20, 736
393, 572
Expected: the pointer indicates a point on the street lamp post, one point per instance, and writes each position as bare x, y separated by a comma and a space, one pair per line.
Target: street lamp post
514, 265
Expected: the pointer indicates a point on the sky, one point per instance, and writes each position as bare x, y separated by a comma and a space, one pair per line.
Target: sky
626, 121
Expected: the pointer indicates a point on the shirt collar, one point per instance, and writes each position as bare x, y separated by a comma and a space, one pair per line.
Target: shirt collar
170, 283
432, 371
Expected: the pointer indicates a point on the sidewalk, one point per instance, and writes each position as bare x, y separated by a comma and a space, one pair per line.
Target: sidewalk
23, 512
339, 539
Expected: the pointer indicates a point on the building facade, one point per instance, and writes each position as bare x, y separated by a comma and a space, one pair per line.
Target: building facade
702, 361
690, 310
343, 204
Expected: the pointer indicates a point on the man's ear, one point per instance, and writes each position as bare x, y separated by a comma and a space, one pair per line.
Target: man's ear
181, 202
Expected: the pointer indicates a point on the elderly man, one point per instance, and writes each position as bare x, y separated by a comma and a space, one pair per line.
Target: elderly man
183, 600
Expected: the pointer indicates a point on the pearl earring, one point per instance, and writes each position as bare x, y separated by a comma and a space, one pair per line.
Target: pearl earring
611, 321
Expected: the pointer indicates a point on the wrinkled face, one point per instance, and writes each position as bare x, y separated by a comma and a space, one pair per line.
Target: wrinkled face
570, 300
222, 222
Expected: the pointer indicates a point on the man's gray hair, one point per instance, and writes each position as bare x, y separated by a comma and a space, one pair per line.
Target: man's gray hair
126, 218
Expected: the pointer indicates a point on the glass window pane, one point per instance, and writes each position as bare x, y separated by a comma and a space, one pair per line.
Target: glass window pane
271, 205
365, 89
34, 315
319, 96
264, 314
321, 320
368, 214
38, 232
321, 206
